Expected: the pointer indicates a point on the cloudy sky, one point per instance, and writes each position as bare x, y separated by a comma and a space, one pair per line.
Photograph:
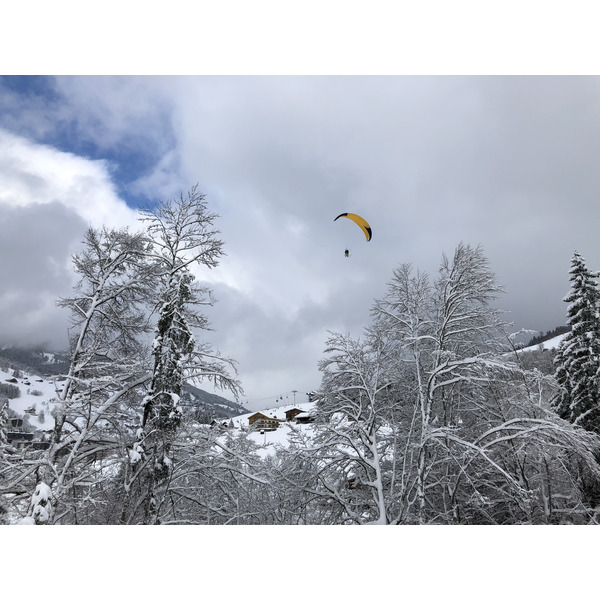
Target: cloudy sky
506, 162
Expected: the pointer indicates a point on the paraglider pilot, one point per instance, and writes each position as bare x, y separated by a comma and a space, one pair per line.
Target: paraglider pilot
346, 253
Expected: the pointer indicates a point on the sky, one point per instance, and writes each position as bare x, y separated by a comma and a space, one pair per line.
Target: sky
508, 162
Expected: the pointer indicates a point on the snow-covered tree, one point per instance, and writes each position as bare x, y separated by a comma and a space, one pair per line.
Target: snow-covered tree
108, 362
469, 436
352, 429
578, 358
3, 465
448, 332
3, 424
218, 479
183, 238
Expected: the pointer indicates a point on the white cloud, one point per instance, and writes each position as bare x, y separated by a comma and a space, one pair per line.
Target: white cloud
39, 174
47, 200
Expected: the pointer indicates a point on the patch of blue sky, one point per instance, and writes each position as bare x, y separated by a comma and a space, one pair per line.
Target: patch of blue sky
130, 158
31, 85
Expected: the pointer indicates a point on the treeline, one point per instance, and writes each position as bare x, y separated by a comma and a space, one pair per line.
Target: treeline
543, 337
33, 360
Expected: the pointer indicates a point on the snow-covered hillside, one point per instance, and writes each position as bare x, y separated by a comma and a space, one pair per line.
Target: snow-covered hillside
269, 440
551, 344
37, 397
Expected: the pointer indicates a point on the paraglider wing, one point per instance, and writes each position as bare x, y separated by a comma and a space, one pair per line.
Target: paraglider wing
360, 222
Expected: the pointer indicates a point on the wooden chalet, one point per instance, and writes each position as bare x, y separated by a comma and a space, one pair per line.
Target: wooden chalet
260, 421
19, 439
25, 439
305, 417
292, 413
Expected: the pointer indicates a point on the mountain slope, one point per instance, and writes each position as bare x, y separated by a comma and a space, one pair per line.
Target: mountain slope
38, 376
551, 344
35, 361
206, 407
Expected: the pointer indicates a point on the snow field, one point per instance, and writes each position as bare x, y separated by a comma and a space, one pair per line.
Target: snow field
37, 394
269, 440
551, 344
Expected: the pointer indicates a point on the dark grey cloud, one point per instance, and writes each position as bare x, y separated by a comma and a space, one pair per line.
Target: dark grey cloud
35, 270
505, 162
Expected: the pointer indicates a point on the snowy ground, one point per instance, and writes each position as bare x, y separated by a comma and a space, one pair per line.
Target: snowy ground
550, 344
37, 394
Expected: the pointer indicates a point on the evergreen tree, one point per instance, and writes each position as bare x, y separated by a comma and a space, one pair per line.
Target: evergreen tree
578, 357
183, 237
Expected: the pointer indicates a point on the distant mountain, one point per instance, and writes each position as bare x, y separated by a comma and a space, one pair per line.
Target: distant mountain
202, 406
548, 344
206, 407
543, 337
34, 360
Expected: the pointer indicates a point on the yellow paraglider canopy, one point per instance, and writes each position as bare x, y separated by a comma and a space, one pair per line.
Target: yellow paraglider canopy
360, 222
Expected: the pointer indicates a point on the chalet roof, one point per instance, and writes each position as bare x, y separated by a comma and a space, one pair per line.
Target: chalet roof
308, 415
258, 414
294, 409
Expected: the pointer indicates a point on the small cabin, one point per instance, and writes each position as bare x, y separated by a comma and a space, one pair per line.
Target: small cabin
260, 421
292, 413
305, 418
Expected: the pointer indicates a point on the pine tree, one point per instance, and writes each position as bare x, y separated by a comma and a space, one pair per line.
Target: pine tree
578, 358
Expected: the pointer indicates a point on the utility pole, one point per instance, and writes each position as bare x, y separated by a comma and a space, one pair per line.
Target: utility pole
294, 392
